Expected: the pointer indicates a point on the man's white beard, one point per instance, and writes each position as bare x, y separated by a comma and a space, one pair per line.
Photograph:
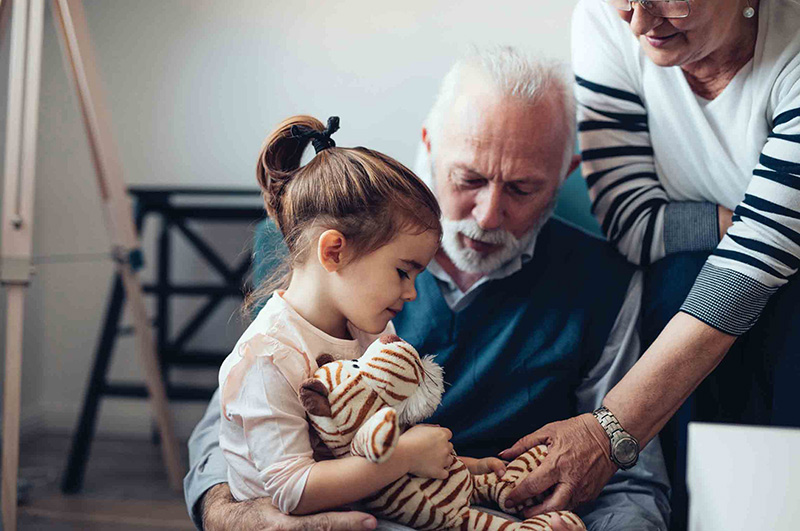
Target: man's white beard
470, 260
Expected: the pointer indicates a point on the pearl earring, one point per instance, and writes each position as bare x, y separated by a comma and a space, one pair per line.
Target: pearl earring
748, 11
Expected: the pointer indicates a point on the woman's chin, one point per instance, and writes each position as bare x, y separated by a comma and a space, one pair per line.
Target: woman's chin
661, 56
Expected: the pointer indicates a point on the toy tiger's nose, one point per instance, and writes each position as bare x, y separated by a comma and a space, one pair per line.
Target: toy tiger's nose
389, 338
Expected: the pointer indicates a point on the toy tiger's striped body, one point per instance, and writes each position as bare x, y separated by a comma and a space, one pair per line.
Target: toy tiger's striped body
445, 504
359, 406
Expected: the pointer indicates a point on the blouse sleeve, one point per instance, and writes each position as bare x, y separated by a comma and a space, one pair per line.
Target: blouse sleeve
265, 434
761, 250
628, 200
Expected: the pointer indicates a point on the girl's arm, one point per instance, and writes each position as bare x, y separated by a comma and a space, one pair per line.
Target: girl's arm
423, 451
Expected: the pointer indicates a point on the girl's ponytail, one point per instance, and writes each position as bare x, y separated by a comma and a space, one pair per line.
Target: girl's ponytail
367, 196
279, 160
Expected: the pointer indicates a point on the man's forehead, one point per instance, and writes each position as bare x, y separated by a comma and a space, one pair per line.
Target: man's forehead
491, 111
507, 157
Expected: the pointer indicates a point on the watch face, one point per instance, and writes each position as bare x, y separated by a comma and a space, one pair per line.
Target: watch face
626, 450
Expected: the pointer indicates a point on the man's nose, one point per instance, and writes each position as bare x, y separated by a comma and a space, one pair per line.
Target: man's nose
489, 208
641, 21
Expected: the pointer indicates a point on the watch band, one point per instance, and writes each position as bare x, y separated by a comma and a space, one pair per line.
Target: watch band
618, 438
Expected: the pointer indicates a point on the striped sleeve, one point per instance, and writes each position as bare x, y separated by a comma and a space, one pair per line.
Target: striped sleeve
630, 204
761, 250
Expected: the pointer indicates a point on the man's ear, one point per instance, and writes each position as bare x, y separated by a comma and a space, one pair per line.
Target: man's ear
330, 250
576, 159
426, 139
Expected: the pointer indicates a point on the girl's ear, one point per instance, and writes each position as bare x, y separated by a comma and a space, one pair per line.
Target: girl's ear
331, 250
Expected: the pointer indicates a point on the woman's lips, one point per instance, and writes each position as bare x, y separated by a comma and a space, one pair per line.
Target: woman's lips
658, 42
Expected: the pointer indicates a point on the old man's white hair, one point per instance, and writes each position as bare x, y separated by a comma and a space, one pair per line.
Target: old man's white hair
515, 74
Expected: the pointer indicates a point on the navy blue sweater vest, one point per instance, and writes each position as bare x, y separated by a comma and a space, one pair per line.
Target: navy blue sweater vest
515, 356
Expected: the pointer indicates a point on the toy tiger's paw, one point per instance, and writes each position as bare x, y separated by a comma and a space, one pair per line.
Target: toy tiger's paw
516, 471
545, 521
377, 438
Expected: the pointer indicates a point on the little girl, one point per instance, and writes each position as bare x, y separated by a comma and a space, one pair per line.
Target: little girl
359, 227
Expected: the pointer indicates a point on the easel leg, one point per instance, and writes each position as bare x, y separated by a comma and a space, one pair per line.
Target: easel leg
12, 389
71, 23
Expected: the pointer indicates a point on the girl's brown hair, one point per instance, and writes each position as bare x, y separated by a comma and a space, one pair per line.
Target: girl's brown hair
366, 195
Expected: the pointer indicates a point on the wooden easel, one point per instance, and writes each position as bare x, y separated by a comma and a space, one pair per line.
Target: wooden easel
27, 21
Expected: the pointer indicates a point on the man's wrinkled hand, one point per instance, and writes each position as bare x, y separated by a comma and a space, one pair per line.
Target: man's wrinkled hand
577, 467
222, 512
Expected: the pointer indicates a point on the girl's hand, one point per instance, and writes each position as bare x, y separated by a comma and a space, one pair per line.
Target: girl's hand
427, 451
485, 465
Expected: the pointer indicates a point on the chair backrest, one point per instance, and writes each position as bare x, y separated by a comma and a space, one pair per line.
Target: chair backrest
574, 204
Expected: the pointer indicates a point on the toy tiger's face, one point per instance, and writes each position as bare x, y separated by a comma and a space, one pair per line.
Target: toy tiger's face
344, 394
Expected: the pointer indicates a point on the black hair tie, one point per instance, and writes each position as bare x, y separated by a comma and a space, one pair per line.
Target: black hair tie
319, 139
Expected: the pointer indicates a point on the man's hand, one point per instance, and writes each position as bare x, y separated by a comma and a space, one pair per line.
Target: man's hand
577, 466
221, 512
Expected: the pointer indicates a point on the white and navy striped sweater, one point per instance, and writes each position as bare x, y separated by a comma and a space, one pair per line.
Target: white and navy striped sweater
658, 159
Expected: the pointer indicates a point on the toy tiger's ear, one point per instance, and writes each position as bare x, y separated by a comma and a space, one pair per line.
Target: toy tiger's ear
322, 359
314, 397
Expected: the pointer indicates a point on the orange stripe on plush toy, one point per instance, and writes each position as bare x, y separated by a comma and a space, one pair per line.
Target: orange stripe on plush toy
343, 401
362, 414
454, 494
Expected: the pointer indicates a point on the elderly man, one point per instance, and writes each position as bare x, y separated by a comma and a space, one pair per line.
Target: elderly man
532, 319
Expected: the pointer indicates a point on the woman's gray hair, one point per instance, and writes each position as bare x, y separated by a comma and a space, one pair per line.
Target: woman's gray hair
515, 74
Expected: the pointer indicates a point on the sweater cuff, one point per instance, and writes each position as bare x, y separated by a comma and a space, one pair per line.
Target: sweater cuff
690, 226
726, 299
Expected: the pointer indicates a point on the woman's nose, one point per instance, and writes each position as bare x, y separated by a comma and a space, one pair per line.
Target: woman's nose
641, 21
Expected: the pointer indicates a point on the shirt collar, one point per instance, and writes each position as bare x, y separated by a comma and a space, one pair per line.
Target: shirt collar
458, 299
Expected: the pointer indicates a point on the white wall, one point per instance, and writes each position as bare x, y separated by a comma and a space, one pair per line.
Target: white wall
193, 88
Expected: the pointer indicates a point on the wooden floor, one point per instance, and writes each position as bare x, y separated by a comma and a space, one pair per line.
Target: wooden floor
125, 488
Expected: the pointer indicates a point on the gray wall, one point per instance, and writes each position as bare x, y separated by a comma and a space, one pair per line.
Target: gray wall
193, 88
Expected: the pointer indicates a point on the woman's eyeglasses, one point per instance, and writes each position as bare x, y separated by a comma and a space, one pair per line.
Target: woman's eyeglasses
657, 8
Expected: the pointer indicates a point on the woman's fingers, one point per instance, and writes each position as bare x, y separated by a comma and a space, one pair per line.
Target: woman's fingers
577, 463
537, 482
540, 436
559, 500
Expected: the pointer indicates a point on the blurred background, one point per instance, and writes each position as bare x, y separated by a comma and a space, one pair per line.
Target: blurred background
193, 87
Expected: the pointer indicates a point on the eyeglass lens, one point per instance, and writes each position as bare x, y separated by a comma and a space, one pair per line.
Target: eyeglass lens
657, 8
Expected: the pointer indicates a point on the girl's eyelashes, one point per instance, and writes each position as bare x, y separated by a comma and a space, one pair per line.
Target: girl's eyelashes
403, 274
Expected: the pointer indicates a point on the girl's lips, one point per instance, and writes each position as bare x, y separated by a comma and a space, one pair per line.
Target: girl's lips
658, 42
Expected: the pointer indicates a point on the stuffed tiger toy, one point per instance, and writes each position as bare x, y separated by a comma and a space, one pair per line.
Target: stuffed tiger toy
360, 407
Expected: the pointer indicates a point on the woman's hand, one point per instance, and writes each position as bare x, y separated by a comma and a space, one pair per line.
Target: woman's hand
577, 467
485, 465
221, 511
427, 450
725, 220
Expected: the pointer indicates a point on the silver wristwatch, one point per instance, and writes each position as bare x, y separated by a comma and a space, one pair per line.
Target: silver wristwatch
624, 446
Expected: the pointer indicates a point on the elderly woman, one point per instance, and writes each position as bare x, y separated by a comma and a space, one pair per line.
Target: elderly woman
688, 110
